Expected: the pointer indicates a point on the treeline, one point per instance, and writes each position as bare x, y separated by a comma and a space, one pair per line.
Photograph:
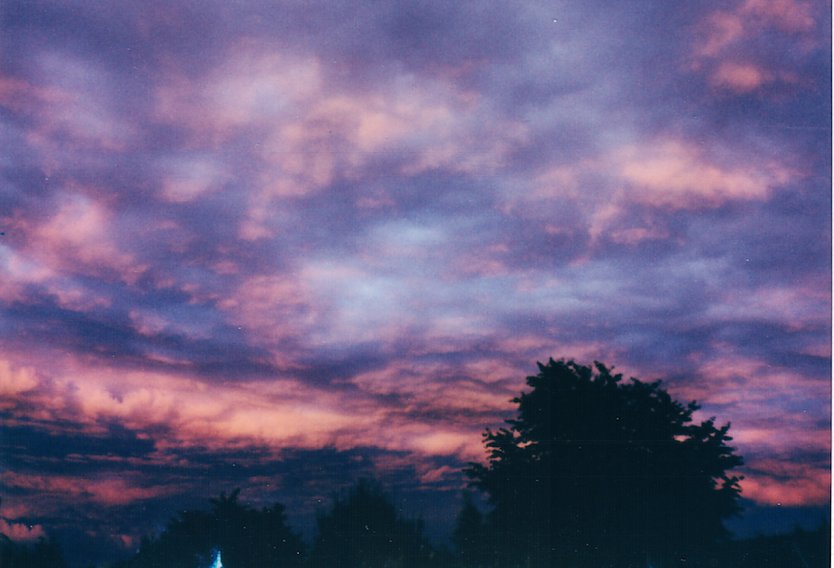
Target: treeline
363, 529
593, 471
44, 553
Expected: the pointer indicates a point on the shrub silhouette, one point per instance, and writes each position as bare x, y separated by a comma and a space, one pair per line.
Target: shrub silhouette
597, 471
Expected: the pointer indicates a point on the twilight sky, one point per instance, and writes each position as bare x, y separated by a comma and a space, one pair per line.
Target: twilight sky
281, 245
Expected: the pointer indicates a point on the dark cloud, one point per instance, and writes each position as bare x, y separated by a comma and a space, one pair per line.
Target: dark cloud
25, 442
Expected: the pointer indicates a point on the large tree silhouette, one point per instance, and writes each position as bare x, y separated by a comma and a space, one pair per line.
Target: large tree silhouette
364, 529
597, 471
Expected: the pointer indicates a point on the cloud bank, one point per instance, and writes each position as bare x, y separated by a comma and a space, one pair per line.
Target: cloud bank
261, 243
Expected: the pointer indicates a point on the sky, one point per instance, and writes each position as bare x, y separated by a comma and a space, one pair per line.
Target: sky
280, 245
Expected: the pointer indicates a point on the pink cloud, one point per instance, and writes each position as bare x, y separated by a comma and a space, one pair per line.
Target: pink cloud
796, 306
19, 271
310, 131
721, 29
275, 413
753, 395
21, 532
188, 178
69, 109
281, 413
777, 482
338, 134
793, 16
678, 175
438, 474
666, 173
444, 443
21, 96
740, 77
109, 491
79, 237
278, 413
726, 33
15, 381
272, 308
251, 88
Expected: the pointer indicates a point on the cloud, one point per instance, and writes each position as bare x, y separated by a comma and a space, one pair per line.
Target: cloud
786, 483
187, 179
20, 96
306, 131
740, 77
79, 237
672, 174
278, 247
16, 381
736, 48
21, 532
103, 491
250, 88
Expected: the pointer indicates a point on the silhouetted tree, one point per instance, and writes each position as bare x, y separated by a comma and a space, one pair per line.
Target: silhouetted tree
808, 549
597, 471
363, 529
246, 536
470, 535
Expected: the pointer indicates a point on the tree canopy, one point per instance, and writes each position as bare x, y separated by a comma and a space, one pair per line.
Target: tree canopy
364, 529
598, 471
44, 553
245, 535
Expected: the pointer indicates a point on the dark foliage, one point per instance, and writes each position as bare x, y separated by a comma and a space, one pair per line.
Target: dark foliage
246, 536
364, 529
597, 471
806, 549
470, 536
42, 554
